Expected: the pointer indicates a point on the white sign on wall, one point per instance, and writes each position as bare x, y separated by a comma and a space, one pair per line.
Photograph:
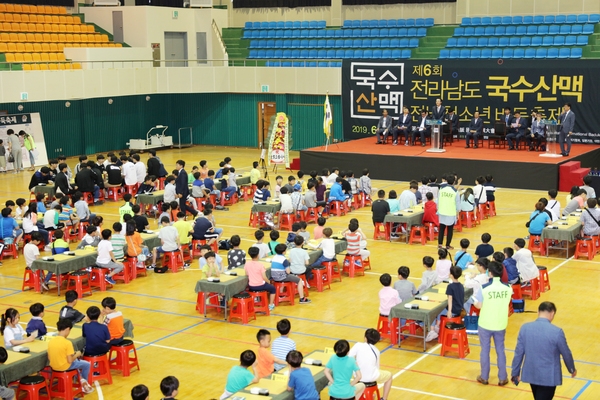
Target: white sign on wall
30, 123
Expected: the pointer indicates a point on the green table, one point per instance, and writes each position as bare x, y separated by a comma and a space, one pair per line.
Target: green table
48, 190
64, 264
36, 361
270, 207
150, 199
240, 180
408, 217
150, 240
425, 315
559, 232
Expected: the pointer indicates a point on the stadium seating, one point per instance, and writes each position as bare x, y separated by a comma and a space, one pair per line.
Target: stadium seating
528, 53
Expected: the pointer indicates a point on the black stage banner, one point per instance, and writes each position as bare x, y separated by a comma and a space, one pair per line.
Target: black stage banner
367, 2
486, 86
280, 3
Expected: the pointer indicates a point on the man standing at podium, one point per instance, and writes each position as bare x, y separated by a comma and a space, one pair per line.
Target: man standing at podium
384, 127
439, 111
475, 129
567, 121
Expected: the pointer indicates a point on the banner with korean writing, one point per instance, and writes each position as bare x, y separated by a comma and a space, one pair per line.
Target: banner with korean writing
279, 142
467, 86
30, 123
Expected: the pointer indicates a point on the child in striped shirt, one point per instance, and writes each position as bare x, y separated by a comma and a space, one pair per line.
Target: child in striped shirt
118, 241
282, 345
354, 235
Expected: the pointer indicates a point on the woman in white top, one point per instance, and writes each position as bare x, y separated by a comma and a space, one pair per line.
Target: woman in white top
479, 191
30, 223
14, 334
467, 200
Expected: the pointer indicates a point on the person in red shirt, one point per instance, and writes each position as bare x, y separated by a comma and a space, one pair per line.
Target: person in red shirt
430, 210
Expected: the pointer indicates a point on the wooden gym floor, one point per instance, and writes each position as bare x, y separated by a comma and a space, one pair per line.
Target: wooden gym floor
173, 339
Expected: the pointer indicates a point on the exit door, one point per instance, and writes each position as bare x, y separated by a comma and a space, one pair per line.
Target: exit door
266, 110
176, 49
117, 17
201, 52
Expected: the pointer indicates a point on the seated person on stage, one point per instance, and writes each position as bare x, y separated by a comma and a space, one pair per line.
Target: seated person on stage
537, 132
452, 122
422, 129
384, 126
590, 219
518, 128
475, 130
403, 127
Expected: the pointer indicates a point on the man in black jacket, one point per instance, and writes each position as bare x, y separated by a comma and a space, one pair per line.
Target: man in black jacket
87, 181
40, 176
154, 165
113, 172
61, 183
181, 188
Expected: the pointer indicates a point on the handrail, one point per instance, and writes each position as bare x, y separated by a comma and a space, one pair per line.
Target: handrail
216, 30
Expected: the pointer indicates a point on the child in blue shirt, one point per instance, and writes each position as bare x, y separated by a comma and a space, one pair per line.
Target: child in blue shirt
280, 271
239, 377
511, 266
462, 258
485, 249
36, 323
343, 373
209, 183
97, 336
301, 380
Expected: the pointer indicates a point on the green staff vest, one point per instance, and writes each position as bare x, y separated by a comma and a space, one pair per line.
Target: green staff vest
447, 201
494, 309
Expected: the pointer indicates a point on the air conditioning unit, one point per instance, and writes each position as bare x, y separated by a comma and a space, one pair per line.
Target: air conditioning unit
113, 3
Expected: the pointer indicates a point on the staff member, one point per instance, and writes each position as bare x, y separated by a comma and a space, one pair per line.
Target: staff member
567, 121
448, 204
383, 127
30, 146
542, 344
475, 129
493, 299
14, 148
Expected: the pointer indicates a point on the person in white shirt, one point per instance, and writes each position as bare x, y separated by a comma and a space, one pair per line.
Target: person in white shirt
139, 167
368, 358
106, 258
128, 171
287, 207
525, 263
408, 198
479, 191
328, 247
333, 176
553, 205
170, 194
476, 282
169, 238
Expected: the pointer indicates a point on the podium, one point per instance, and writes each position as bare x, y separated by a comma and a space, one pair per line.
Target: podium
552, 130
436, 135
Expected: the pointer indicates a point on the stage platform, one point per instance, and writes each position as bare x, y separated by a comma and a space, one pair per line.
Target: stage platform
520, 169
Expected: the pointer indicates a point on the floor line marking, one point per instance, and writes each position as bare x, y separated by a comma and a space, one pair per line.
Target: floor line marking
426, 393
186, 351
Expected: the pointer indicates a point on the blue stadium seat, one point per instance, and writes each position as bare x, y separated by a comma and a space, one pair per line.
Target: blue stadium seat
280, 44
355, 23
588, 29
419, 22
485, 21
528, 19
386, 54
493, 42
312, 44
384, 32
529, 53
298, 64
582, 40
270, 54
538, 19
338, 43
560, 19
401, 23
564, 52
503, 42
261, 54
396, 53
375, 32
475, 53
465, 53
451, 42
367, 43
466, 21
348, 53
532, 30
410, 22
330, 43
576, 29
364, 23
287, 54
297, 24
312, 33
549, 19
459, 32
406, 53
582, 18
576, 52
429, 22
514, 41
517, 20
365, 33
374, 23
385, 43
321, 33
377, 54
275, 63
479, 31
472, 42
330, 54
339, 54
322, 64
559, 40
414, 42
347, 24
383, 23
347, 33
525, 41
356, 33
543, 30
368, 54
256, 25
421, 32
337, 64
286, 64
540, 53
496, 53
394, 43
489, 30
412, 32
254, 44
507, 53
444, 53
565, 29
359, 54
248, 34
356, 43
521, 30
548, 41
519, 53
289, 33
554, 30
264, 25
278, 53
321, 24
347, 43
454, 53
552, 52
476, 21
330, 33
496, 20
295, 43
304, 43
375, 43
322, 54
288, 25
263, 34
461, 42
248, 25
571, 40
594, 18
404, 42
304, 24
536, 41
500, 31
278, 33
506, 20
402, 32
339, 33
253, 54
469, 31
273, 25
393, 32
270, 44
486, 53
571, 19
305, 53
392, 23
511, 30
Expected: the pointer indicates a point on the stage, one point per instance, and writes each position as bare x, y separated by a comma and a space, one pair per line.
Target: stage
520, 169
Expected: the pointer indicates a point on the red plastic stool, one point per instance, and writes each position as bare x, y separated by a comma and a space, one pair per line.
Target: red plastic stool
99, 365
511, 310
65, 388
458, 227
114, 193
382, 231
353, 263
517, 293
483, 211
388, 329
536, 244
312, 215
544, 279
455, 340
160, 183
337, 207
286, 221
431, 233
81, 280
242, 307
445, 320
32, 385
200, 203
468, 218
333, 269
88, 197
356, 203
585, 246
98, 279
186, 248
417, 234
253, 220
131, 189
371, 391
491, 208
10, 250
320, 279
261, 302
213, 302
124, 275
123, 361
82, 229
32, 280
305, 281
196, 243
248, 192
365, 199
532, 290
233, 198
27, 239
475, 311
284, 291
411, 327
174, 260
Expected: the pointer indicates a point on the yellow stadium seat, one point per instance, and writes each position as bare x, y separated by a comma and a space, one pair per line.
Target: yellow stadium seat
7, 27
63, 19
76, 28
16, 18
26, 67
31, 27
29, 57
55, 19
68, 66
44, 67
72, 37
60, 57
9, 17
39, 27
35, 67
76, 19
15, 27
49, 28
61, 66
46, 37
3, 17
62, 10
11, 47
19, 57
45, 56
60, 46
3, 47
25, 8
14, 37
47, 19
55, 10
27, 47
61, 38
25, 18
33, 18
30, 37
2, 7
77, 45
4, 37
10, 8
20, 47
51, 56
65, 28
37, 47
85, 38
46, 47
33, 9
53, 67
17, 8
118, 45
21, 37
55, 28
10, 57
76, 65
22, 26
